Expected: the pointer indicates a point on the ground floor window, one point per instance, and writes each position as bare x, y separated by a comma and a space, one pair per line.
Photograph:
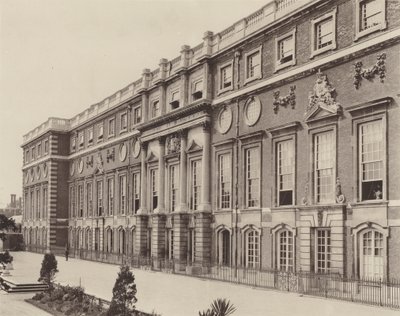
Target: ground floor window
323, 251
372, 254
252, 244
191, 246
121, 237
224, 247
285, 250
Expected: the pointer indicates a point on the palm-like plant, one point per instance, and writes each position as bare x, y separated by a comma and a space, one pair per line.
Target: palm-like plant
219, 307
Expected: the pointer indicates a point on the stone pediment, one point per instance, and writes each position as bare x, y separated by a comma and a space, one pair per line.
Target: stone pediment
193, 146
321, 100
151, 156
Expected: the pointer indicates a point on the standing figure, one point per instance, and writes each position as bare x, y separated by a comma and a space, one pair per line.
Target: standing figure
66, 252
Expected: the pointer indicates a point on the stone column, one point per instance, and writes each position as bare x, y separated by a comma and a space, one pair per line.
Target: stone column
161, 177
183, 174
143, 181
205, 202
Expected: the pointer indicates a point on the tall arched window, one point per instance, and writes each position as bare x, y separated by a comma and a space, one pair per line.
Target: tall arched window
252, 254
109, 239
372, 254
224, 247
285, 249
121, 237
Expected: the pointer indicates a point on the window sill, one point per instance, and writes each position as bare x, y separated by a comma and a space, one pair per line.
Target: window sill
370, 202
376, 28
251, 79
323, 50
221, 91
279, 66
123, 131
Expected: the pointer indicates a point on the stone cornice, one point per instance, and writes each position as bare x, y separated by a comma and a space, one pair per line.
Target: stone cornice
201, 105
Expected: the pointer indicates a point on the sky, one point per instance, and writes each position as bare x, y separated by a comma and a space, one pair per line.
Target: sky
59, 57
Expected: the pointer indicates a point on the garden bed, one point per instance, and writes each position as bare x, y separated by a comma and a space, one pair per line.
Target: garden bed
67, 300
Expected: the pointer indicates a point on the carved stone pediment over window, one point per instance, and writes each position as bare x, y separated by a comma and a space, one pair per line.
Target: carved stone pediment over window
321, 100
173, 144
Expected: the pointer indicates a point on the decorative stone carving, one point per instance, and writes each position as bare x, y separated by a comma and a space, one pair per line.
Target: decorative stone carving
322, 96
320, 217
99, 163
89, 161
173, 144
378, 69
304, 200
110, 154
340, 198
169, 222
289, 99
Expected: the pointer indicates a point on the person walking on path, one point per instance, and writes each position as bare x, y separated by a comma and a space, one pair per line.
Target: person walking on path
66, 252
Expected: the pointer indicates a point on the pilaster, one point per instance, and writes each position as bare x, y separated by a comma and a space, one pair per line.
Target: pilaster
183, 174
205, 202
143, 181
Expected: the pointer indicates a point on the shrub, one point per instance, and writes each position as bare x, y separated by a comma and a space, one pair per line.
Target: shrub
124, 292
38, 296
219, 307
48, 270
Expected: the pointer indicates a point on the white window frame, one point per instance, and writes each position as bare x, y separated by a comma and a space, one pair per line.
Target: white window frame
222, 204
382, 21
110, 196
257, 151
154, 189
81, 139
247, 55
175, 98
314, 23
288, 258
221, 67
252, 260
111, 122
383, 158
39, 150
195, 82
90, 136
153, 102
333, 164
327, 261
121, 116
279, 143
99, 197
195, 185
46, 147
136, 110
81, 200
73, 144
173, 185
100, 127
278, 40
135, 191
89, 199
122, 194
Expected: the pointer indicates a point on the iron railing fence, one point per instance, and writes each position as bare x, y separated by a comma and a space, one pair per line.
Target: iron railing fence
373, 291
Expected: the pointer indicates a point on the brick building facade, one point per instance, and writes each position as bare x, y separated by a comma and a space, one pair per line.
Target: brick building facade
271, 145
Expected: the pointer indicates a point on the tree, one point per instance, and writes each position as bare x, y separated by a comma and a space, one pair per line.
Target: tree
219, 307
5, 258
124, 292
6, 224
48, 270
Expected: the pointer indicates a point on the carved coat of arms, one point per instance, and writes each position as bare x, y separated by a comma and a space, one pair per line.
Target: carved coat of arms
322, 96
173, 144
